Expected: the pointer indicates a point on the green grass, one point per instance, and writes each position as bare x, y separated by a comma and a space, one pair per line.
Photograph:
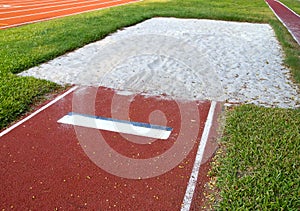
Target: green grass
293, 5
259, 167
18, 94
267, 138
291, 49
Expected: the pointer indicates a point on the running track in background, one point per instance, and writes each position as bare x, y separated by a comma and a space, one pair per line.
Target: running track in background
289, 18
18, 12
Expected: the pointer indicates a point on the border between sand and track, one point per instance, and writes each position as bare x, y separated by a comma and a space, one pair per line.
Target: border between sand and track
291, 33
188, 197
37, 111
62, 16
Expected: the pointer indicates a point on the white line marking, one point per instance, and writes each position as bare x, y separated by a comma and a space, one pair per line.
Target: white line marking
61, 16
288, 8
60, 10
6, 6
37, 111
295, 38
54, 6
114, 125
38, 3
188, 197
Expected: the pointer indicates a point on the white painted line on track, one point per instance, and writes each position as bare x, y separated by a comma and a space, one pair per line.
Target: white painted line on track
115, 125
53, 11
26, 5
61, 16
188, 197
55, 5
37, 111
36, 2
288, 8
295, 38
6, 6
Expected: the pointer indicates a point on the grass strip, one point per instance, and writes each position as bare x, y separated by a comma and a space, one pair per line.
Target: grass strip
259, 166
18, 94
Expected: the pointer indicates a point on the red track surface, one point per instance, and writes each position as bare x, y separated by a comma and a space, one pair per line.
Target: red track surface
290, 19
44, 166
15, 13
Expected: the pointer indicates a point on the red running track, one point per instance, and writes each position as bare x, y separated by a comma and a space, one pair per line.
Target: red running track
289, 18
15, 13
45, 165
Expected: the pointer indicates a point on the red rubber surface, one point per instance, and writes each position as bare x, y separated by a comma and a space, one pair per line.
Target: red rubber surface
289, 18
44, 167
19, 13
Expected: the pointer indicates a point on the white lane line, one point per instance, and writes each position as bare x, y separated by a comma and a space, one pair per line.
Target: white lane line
21, 3
188, 197
86, 3
115, 125
37, 111
60, 10
26, 5
6, 6
295, 38
61, 16
288, 8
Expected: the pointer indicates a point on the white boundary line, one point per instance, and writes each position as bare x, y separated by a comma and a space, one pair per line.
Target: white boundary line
23, 8
21, 3
27, 3
60, 10
188, 197
288, 8
61, 16
298, 41
37, 111
56, 5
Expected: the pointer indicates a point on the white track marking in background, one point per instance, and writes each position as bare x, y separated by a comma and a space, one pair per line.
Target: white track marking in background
59, 5
53, 11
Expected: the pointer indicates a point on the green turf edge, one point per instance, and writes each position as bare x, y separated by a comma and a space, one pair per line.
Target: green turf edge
18, 94
290, 47
257, 166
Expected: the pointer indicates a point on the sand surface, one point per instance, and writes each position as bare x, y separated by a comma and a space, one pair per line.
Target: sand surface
183, 59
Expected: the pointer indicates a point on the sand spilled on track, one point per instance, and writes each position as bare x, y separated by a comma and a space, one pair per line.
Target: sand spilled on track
183, 58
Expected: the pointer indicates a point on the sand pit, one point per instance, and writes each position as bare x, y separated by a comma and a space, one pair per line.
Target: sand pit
184, 59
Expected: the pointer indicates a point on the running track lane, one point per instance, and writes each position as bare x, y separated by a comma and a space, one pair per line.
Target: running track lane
289, 18
12, 15
43, 165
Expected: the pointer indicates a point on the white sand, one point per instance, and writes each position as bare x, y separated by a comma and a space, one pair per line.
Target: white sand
186, 59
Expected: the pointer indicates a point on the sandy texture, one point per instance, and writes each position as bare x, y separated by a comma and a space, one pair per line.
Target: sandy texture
185, 59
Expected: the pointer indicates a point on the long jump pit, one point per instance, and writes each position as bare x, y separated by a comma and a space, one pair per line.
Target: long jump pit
139, 129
